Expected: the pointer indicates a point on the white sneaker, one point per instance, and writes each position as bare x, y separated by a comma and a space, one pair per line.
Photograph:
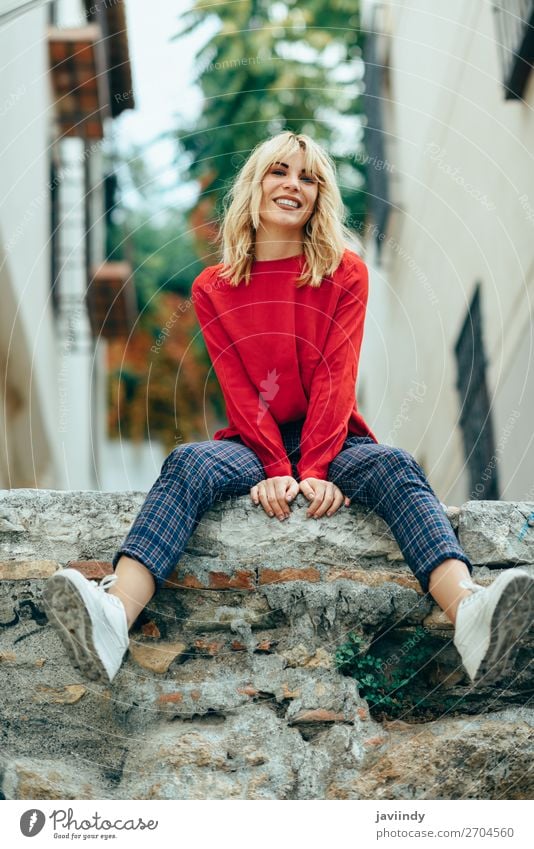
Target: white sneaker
91, 623
491, 621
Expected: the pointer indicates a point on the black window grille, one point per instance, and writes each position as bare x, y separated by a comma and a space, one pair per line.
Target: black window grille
54, 235
514, 23
475, 412
377, 183
87, 212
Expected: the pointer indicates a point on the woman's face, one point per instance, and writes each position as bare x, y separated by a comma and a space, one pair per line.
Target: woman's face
288, 195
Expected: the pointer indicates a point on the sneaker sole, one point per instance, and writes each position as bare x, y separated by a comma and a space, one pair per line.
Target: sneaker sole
511, 620
69, 616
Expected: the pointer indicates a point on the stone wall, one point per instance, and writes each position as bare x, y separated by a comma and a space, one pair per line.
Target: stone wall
230, 687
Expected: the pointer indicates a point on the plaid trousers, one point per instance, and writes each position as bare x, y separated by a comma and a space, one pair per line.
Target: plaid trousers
384, 478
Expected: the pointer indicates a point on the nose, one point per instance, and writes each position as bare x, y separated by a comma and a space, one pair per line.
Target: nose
291, 181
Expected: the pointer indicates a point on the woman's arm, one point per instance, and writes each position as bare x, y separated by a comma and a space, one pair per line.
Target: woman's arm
333, 387
240, 395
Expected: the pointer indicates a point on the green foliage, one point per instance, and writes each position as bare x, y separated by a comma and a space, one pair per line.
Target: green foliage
159, 246
271, 67
391, 684
379, 689
170, 392
163, 257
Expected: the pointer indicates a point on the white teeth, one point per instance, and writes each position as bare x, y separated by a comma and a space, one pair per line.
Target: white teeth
292, 203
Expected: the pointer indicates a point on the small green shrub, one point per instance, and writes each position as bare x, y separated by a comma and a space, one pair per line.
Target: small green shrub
396, 684
379, 689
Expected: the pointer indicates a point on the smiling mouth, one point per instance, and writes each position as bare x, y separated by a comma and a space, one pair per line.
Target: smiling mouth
287, 204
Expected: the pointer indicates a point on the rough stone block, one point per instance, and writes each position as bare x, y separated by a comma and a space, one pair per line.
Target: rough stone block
229, 689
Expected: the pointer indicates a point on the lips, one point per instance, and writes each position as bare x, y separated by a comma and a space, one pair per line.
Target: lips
290, 203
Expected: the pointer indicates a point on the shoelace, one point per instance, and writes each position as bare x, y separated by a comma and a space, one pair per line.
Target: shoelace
106, 582
467, 584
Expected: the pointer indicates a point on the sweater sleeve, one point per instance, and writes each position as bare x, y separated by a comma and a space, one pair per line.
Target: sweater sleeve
243, 402
332, 396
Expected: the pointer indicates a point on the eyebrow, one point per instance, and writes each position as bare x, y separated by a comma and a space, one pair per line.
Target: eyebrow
287, 166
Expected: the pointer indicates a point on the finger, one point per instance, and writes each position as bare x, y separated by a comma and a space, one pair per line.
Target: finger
292, 491
317, 501
283, 511
347, 502
329, 495
307, 489
272, 498
312, 493
254, 494
338, 501
264, 500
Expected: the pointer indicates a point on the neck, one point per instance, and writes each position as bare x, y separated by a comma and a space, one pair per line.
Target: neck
270, 245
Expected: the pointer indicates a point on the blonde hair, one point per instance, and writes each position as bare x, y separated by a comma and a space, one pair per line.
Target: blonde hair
325, 237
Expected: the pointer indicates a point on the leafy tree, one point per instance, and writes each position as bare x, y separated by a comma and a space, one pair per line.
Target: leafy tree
270, 67
161, 384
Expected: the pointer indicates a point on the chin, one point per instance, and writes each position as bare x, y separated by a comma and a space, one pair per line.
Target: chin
283, 221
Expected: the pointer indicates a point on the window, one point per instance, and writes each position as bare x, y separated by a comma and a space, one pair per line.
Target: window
52, 13
376, 172
54, 232
475, 413
514, 24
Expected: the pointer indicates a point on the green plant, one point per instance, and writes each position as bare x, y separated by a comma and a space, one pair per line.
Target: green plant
393, 677
393, 683
377, 687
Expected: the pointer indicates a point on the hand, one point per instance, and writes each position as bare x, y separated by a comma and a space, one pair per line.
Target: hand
274, 495
325, 497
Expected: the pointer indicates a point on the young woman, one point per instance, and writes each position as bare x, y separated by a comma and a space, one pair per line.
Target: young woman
282, 317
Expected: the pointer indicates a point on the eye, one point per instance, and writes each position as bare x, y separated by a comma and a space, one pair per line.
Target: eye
308, 178
278, 171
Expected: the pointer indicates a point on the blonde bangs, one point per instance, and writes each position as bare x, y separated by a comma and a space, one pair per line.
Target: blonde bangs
326, 236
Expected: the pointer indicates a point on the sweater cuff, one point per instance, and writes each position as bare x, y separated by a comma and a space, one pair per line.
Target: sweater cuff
320, 474
278, 469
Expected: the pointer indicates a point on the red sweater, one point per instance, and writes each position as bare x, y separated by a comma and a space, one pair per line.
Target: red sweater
283, 353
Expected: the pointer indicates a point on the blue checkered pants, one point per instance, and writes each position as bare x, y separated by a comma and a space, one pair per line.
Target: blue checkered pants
384, 478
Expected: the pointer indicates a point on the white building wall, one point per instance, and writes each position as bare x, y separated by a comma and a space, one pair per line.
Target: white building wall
50, 436
71, 13
26, 322
129, 466
463, 157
